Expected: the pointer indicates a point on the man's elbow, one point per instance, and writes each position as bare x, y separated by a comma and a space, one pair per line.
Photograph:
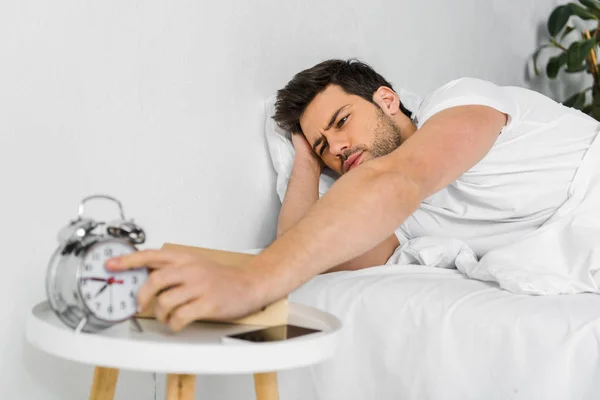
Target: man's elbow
377, 256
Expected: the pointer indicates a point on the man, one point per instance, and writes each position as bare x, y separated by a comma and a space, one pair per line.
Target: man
478, 162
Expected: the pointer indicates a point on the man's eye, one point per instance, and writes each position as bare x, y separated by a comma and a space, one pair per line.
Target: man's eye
323, 147
342, 121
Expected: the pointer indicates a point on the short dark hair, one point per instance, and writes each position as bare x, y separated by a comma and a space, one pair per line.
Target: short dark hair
353, 76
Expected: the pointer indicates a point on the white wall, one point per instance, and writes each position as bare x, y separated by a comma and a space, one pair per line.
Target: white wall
160, 104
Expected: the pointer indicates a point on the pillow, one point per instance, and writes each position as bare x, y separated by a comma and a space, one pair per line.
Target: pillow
281, 148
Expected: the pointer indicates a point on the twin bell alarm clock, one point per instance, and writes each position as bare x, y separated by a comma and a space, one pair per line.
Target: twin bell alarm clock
82, 292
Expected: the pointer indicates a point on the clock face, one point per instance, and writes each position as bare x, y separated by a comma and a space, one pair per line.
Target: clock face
110, 296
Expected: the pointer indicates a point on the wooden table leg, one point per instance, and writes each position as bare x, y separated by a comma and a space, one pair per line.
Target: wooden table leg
180, 387
265, 385
104, 383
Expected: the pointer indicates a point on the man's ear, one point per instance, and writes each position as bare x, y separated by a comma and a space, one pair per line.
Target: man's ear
387, 99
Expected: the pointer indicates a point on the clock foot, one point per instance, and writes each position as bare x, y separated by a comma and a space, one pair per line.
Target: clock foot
81, 325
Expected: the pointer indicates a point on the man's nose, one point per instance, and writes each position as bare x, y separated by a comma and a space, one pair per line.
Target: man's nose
338, 146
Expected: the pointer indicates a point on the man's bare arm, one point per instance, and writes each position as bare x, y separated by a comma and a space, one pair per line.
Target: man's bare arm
303, 192
393, 186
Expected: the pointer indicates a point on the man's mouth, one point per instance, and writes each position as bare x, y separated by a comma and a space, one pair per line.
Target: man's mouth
353, 161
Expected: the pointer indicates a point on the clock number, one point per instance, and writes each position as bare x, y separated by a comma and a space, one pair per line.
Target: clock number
110, 309
108, 252
88, 267
95, 256
97, 305
88, 296
132, 294
135, 280
122, 305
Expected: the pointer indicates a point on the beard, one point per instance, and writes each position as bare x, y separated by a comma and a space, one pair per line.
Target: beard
387, 136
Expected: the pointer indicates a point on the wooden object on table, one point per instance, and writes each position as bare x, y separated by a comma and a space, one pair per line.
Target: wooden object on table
274, 314
104, 383
180, 387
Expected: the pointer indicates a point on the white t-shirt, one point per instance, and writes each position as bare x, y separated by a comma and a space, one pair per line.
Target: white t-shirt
521, 181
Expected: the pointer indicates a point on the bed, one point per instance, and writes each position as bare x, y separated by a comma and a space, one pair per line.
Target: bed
423, 332
417, 332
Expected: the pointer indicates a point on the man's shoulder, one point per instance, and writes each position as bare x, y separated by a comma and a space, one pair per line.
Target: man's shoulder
465, 85
466, 91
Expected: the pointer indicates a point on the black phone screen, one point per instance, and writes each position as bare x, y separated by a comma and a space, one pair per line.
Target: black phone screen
274, 333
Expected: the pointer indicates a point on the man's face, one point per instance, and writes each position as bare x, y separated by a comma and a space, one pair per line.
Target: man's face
346, 130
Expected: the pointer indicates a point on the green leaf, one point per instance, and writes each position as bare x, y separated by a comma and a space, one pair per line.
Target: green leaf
581, 12
574, 55
535, 58
595, 113
576, 99
587, 45
580, 102
558, 19
578, 51
573, 60
554, 64
593, 5
566, 32
576, 70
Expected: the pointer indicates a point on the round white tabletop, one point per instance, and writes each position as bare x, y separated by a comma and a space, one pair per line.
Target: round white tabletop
198, 349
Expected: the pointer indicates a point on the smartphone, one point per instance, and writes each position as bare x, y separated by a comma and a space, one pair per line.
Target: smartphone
274, 333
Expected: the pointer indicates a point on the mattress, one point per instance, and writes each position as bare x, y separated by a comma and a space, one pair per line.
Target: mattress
417, 332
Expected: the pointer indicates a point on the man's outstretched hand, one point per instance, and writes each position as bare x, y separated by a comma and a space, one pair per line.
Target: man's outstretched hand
192, 287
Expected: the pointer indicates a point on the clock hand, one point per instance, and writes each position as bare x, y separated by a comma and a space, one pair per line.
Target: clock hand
101, 290
110, 297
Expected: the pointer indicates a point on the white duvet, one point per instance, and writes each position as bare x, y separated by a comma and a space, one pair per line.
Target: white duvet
560, 257
418, 332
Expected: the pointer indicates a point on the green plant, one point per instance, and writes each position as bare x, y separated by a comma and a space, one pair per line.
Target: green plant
579, 55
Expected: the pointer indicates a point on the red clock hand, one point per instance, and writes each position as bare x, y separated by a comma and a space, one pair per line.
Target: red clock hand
110, 281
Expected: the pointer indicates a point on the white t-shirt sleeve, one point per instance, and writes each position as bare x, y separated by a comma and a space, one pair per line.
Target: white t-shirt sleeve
402, 235
462, 92
468, 91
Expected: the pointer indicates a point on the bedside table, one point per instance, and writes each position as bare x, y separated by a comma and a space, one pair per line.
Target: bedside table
199, 349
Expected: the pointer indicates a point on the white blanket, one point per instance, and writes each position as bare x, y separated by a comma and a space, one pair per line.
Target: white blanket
561, 257
417, 332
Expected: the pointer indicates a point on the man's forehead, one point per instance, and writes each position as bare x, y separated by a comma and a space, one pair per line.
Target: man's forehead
322, 107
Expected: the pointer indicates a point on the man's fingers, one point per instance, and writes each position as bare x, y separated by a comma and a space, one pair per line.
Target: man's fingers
142, 258
183, 315
158, 280
172, 298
